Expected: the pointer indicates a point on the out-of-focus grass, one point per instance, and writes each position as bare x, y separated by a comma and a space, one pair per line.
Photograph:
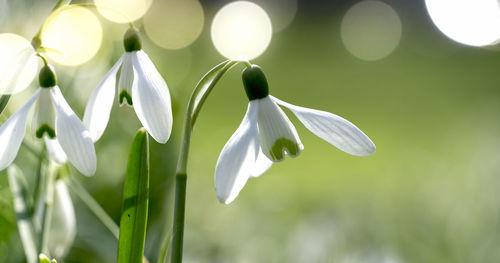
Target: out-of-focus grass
429, 193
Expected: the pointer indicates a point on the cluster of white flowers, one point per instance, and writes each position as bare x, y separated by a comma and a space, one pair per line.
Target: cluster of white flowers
68, 138
264, 136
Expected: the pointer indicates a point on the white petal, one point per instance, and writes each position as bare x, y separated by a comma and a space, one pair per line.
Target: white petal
44, 115
277, 134
151, 98
72, 135
63, 224
12, 133
334, 129
18, 71
98, 108
262, 164
127, 79
238, 157
55, 150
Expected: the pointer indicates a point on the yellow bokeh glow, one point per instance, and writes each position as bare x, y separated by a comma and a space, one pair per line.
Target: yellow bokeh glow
123, 11
174, 24
371, 30
76, 33
241, 29
18, 63
470, 22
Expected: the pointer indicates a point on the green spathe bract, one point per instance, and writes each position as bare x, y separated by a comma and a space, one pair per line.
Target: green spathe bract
132, 40
134, 216
283, 143
47, 77
255, 83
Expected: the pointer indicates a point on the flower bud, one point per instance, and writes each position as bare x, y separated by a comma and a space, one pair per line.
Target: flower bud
44, 259
255, 83
47, 77
131, 40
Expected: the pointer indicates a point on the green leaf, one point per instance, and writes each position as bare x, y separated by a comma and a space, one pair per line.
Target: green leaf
22, 207
205, 86
3, 102
135, 202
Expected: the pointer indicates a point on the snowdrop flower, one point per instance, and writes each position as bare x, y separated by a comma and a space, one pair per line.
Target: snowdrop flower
19, 64
55, 122
140, 84
266, 134
62, 231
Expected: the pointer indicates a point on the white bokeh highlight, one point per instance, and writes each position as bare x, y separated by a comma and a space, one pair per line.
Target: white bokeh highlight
18, 63
371, 30
123, 11
282, 12
241, 28
76, 35
174, 24
470, 22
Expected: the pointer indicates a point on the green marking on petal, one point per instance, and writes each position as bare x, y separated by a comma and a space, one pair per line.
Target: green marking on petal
125, 95
45, 128
282, 143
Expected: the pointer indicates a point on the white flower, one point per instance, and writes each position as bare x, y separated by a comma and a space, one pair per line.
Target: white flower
62, 231
18, 65
64, 134
266, 134
141, 85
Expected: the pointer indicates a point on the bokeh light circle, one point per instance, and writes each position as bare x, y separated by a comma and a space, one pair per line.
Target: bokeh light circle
371, 30
282, 12
76, 33
123, 11
241, 28
470, 22
174, 24
18, 63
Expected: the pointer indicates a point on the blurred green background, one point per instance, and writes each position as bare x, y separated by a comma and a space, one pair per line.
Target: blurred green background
429, 193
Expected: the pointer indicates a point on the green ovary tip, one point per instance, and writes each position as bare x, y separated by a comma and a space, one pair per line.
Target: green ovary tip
124, 95
282, 143
45, 128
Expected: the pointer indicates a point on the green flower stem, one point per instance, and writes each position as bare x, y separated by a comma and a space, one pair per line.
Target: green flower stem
47, 209
36, 42
4, 100
94, 206
39, 175
61, 3
198, 97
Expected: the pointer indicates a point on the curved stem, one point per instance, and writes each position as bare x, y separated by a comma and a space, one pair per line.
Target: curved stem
45, 62
61, 3
4, 100
196, 101
37, 39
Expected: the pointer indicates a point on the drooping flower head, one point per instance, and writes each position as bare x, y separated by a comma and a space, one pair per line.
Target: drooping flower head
55, 122
140, 85
266, 135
